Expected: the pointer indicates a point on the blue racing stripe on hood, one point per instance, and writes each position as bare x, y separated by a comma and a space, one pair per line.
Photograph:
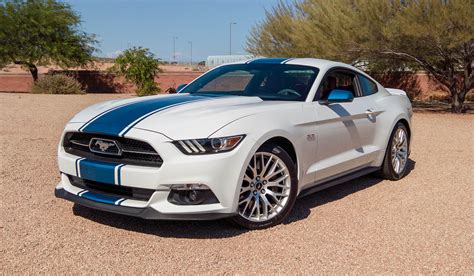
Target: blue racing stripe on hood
119, 120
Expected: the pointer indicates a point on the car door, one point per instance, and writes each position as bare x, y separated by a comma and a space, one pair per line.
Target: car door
344, 131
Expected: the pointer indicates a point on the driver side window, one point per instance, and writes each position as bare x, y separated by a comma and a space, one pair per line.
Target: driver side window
292, 83
337, 80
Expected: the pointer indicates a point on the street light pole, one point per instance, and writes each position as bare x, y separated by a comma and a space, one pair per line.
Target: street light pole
174, 47
191, 56
230, 37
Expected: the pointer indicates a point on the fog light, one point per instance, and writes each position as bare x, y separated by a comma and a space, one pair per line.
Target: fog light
184, 187
191, 194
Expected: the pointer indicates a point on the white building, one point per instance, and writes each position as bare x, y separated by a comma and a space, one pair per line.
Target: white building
213, 61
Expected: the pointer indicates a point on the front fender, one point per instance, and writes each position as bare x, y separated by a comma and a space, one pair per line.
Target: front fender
259, 129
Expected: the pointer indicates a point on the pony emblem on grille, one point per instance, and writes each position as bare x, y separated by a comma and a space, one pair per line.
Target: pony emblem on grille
105, 146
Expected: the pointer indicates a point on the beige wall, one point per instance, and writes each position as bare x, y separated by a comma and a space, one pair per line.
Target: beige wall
96, 82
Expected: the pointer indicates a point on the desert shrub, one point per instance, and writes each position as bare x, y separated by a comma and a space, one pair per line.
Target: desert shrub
57, 84
139, 66
148, 88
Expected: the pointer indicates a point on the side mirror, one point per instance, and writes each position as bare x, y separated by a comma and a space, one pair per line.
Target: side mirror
339, 96
181, 86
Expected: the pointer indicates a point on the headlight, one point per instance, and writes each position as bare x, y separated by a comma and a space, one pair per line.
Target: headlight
208, 145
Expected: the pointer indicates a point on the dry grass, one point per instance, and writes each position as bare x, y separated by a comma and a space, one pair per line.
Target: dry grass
421, 224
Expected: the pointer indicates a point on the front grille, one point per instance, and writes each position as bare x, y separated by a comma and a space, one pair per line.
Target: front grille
112, 190
134, 152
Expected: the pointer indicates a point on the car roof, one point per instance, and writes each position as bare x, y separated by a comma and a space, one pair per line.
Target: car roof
322, 64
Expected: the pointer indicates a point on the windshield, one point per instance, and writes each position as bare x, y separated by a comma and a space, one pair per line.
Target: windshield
282, 82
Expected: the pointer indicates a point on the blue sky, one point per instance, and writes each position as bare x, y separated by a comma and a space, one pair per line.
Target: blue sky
120, 24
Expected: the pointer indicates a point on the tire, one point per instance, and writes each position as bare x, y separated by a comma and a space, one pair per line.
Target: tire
266, 188
396, 149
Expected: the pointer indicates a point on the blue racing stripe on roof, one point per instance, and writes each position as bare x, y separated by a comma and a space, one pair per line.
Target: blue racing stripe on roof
100, 198
119, 119
98, 171
287, 60
268, 61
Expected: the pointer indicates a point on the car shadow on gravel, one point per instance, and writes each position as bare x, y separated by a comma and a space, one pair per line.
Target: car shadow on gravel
304, 205
216, 229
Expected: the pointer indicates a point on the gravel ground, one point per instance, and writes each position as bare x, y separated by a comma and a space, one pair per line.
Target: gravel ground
421, 224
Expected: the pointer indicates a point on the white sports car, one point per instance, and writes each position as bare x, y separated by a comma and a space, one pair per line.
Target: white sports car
242, 141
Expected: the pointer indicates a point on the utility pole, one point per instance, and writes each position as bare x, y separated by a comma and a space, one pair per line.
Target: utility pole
174, 47
230, 37
191, 54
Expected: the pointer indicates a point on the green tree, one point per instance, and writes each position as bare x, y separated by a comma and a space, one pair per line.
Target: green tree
433, 35
139, 66
42, 32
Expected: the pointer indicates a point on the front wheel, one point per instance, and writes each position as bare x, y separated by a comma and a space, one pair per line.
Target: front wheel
396, 157
268, 190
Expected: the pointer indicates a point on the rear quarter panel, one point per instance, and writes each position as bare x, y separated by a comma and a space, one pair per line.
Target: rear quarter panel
395, 106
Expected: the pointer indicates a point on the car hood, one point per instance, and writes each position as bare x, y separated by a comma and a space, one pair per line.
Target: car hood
178, 116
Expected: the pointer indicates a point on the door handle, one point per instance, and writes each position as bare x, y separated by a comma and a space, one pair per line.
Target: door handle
370, 114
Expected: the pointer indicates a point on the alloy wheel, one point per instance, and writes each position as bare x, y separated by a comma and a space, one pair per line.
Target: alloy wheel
399, 150
265, 189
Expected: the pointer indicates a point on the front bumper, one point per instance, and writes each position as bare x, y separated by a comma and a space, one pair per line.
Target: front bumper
220, 172
144, 213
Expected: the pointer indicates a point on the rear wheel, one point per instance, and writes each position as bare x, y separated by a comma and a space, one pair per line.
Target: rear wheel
268, 190
396, 157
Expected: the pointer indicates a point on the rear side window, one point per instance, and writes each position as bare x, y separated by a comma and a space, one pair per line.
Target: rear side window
368, 87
